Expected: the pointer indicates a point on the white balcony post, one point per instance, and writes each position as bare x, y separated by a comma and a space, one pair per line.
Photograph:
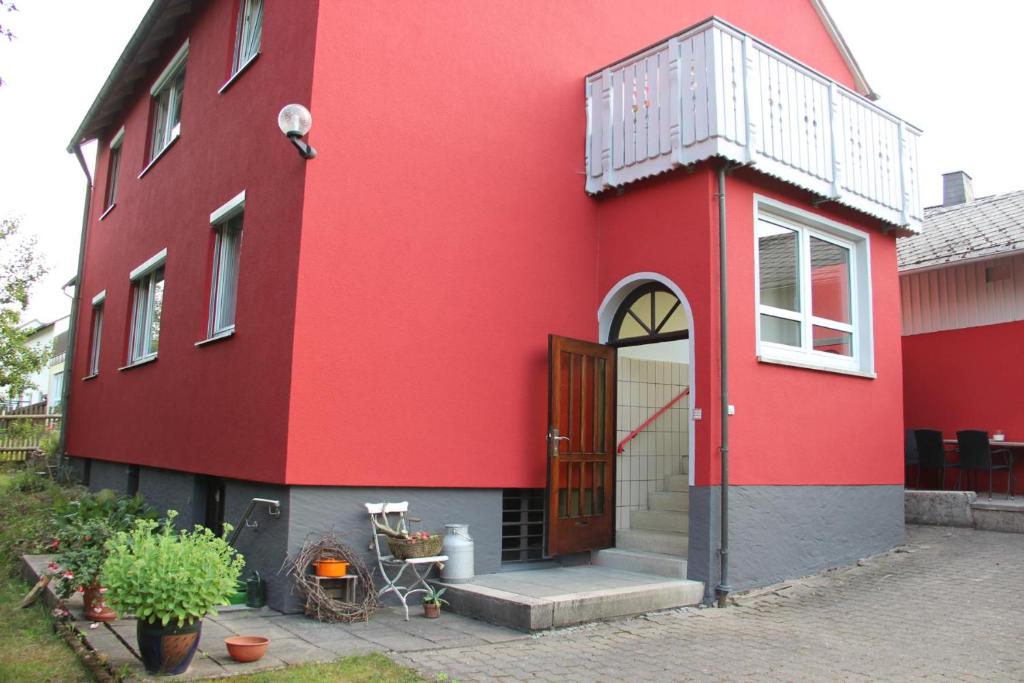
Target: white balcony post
835, 131
678, 89
904, 195
607, 130
751, 89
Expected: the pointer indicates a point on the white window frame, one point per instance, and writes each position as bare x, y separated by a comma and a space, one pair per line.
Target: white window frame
220, 221
858, 242
143, 282
247, 40
168, 85
96, 340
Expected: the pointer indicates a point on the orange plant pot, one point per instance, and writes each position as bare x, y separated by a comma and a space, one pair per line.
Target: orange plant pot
246, 648
330, 567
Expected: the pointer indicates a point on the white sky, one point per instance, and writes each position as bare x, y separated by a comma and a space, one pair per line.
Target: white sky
950, 67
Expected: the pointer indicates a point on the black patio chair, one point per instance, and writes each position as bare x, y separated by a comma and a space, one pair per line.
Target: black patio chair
911, 461
976, 455
931, 455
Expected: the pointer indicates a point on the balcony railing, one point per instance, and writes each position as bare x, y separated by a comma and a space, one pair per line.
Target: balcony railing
714, 90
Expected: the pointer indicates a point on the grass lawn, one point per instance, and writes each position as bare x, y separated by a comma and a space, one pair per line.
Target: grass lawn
29, 649
375, 668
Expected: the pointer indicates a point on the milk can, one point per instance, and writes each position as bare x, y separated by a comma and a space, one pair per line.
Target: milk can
458, 546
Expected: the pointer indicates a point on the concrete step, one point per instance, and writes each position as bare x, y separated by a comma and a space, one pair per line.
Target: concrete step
652, 541
552, 598
641, 562
660, 520
679, 501
677, 482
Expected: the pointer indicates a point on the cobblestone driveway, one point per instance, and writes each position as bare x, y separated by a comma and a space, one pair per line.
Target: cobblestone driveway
951, 605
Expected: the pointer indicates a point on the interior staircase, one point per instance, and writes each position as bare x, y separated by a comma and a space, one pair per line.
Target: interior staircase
657, 540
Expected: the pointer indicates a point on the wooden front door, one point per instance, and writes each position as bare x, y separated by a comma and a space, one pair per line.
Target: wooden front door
581, 446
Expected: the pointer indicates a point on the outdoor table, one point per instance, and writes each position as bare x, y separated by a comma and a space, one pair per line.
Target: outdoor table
1010, 446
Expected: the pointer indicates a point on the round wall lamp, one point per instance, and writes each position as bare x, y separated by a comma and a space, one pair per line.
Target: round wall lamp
295, 122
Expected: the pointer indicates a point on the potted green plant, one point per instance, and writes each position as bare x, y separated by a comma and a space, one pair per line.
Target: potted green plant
169, 580
82, 529
432, 602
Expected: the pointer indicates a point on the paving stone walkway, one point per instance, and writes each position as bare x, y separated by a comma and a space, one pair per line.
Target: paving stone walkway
950, 605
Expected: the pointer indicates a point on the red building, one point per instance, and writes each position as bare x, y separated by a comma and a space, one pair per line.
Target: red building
373, 323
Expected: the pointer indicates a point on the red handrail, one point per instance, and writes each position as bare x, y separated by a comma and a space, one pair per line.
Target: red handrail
648, 421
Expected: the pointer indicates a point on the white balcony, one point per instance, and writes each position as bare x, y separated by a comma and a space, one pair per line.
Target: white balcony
714, 90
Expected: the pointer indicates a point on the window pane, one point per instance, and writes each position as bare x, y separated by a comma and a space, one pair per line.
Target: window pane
642, 309
159, 122
832, 341
229, 243
176, 92
250, 31
780, 330
830, 281
139, 315
157, 303
115, 164
97, 332
778, 261
676, 322
630, 328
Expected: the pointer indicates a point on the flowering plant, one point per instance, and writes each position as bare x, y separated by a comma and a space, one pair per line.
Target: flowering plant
82, 532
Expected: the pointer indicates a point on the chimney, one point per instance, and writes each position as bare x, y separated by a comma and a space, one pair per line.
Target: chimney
956, 188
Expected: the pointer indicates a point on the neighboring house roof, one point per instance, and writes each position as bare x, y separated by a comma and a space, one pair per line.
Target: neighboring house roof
146, 44
984, 227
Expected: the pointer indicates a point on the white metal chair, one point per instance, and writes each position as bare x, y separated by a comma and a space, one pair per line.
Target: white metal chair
393, 515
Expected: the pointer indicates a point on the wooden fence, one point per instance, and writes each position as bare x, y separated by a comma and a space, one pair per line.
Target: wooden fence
21, 434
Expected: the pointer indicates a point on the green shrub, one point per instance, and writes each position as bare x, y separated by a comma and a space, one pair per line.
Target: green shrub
158, 574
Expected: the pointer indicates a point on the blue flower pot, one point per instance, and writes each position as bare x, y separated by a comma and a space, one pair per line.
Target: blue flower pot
168, 649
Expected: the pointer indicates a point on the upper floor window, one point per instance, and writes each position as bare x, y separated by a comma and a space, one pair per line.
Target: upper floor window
167, 93
248, 33
227, 222
114, 168
96, 335
147, 306
813, 291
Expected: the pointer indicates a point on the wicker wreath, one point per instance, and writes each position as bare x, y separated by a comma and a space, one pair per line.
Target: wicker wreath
318, 604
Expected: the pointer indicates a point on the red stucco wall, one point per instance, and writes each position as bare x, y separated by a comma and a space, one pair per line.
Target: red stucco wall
446, 231
798, 426
221, 409
425, 255
957, 379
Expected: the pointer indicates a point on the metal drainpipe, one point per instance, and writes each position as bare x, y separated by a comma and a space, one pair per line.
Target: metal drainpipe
723, 588
69, 354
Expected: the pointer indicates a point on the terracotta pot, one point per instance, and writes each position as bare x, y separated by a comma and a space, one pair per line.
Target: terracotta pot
431, 610
93, 607
330, 567
246, 648
168, 649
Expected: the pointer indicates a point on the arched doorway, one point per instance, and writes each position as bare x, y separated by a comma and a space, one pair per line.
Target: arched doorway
648, 320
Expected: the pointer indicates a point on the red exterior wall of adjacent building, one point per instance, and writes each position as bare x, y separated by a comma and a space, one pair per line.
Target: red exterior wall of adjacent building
446, 234
954, 380
221, 409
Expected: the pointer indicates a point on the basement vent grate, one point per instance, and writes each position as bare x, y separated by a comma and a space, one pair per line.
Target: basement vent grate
522, 525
